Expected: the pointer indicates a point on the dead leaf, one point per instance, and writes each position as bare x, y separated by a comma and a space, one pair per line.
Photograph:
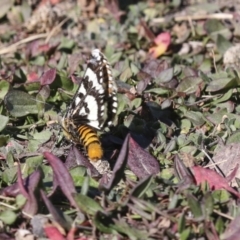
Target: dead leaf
226, 158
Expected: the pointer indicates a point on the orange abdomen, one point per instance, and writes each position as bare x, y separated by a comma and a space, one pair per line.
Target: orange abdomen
91, 142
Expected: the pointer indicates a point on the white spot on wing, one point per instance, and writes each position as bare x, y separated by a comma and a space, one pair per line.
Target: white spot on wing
92, 77
93, 111
115, 104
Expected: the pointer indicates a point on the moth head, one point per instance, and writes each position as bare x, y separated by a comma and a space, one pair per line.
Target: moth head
96, 55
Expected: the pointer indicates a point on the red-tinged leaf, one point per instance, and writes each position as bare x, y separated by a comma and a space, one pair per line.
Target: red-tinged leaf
75, 79
162, 42
32, 77
140, 162
6, 236
148, 32
62, 176
211, 231
44, 47
71, 234
53, 233
83, 161
48, 77
53, 2
144, 79
119, 167
29, 182
21, 184
233, 230
43, 94
154, 67
113, 7
31, 206
214, 180
32, 49
57, 216
73, 62
35, 48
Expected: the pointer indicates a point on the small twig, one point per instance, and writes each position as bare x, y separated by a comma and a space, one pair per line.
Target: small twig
7, 198
204, 16
48, 36
8, 206
193, 17
202, 100
27, 215
55, 29
214, 164
223, 215
15, 46
211, 160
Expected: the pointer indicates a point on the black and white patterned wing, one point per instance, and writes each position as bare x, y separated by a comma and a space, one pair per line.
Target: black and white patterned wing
95, 102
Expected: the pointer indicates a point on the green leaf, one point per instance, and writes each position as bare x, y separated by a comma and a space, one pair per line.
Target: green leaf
165, 76
34, 162
42, 136
62, 81
234, 138
136, 103
220, 196
32, 86
189, 149
181, 223
8, 217
39, 61
214, 27
131, 232
126, 74
62, 62
9, 175
222, 114
196, 118
224, 98
195, 207
115, 58
20, 104
66, 44
208, 205
185, 125
4, 87
173, 201
3, 122
3, 140
185, 234
20, 201
134, 68
103, 223
222, 44
140, 189
220, 84
189, 85
87, 204
159, 91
